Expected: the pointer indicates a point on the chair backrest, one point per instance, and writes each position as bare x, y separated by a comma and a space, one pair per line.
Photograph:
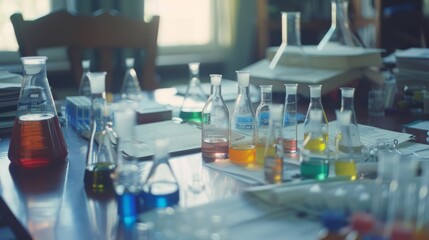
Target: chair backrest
103, 32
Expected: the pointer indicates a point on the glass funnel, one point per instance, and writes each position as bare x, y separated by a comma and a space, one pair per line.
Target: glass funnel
290, 52
37, 139
340, 33
195, 98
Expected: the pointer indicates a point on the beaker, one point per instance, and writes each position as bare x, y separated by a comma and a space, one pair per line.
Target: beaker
290, 51
37, 139
340, 33
84, 87
195, 98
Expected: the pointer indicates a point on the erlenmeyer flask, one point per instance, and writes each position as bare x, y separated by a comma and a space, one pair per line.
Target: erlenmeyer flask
340, 33
160, 188
101, 152
262, 117
84, 87
316, 103
347, 104
290, 51
130, 85
37, 139
195, 98
345, 161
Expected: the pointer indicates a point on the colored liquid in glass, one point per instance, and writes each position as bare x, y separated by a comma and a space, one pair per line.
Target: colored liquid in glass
324, 135
273, 169
315, 168
128, 206
242, 154
37, 140
260, 153
315, 144
190, 116
290, 145
99, 176
345, 168
160, 195
213, 149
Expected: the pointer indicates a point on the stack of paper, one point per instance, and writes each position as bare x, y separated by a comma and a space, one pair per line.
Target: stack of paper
10, 86
413, 66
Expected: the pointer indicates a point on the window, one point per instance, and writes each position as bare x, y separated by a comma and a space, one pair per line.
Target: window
191, 27
29, 8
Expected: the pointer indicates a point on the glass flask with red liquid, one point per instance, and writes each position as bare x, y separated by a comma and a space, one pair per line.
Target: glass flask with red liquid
37, 139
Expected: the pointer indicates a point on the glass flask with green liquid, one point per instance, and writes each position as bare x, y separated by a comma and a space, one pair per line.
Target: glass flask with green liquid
314, 156
195, 98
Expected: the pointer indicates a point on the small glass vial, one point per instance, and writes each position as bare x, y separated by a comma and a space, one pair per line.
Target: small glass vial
316, 103
215, 125
345, 159
131, 89
101, 154
273, 154
84, 87
290, 125
314, 158
195, 98
160, 189
262, 122
242, 150
353, 143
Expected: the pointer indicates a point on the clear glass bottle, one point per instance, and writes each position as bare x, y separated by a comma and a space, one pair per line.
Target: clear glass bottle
262, 122
314, 157
290, 122
345, 164
216, 124
160, 189
36, 121
126, 178
101, 153
195, 98
131, 89
347, 104
290, 51
84, 87
316, 103
340, 33
273, 154
242, 150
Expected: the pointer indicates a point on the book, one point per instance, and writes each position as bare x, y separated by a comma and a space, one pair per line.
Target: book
413, 59
330, 79
341, 58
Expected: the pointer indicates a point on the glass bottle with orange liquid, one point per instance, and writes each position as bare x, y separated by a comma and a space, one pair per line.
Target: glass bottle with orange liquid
316, 103
262, 122
242, 150
273, 153
37, 139
290, 130
345, 163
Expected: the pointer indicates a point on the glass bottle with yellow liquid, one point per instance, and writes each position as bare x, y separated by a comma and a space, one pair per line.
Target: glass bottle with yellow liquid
314, 155
262, 122
316, 103
353, 143
345, 159
273, 153
242, 150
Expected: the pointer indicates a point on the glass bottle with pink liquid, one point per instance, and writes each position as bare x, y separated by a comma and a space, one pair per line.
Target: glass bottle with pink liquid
37, 139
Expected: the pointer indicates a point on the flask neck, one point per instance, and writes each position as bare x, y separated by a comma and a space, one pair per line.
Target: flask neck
99, 114
266, 97
347, 103
291, 28
339, 13
216, 90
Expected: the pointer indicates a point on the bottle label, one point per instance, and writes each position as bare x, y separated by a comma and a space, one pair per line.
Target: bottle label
244, 122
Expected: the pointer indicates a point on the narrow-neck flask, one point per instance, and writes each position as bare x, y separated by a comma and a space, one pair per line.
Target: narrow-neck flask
314, 158
316, 103
347, 104
290, 122
195, 98
290, 52
216, 124
160, 189
101, 153
131, 89
242, 150
340, 33
345, 159
36, 121
262, 122
84, 87
273, 153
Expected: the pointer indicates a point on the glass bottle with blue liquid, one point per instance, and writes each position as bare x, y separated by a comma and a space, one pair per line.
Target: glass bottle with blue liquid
242, 150
314, 156
160, 189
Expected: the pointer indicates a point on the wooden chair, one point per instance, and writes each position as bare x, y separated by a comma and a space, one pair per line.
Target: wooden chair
104, 33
